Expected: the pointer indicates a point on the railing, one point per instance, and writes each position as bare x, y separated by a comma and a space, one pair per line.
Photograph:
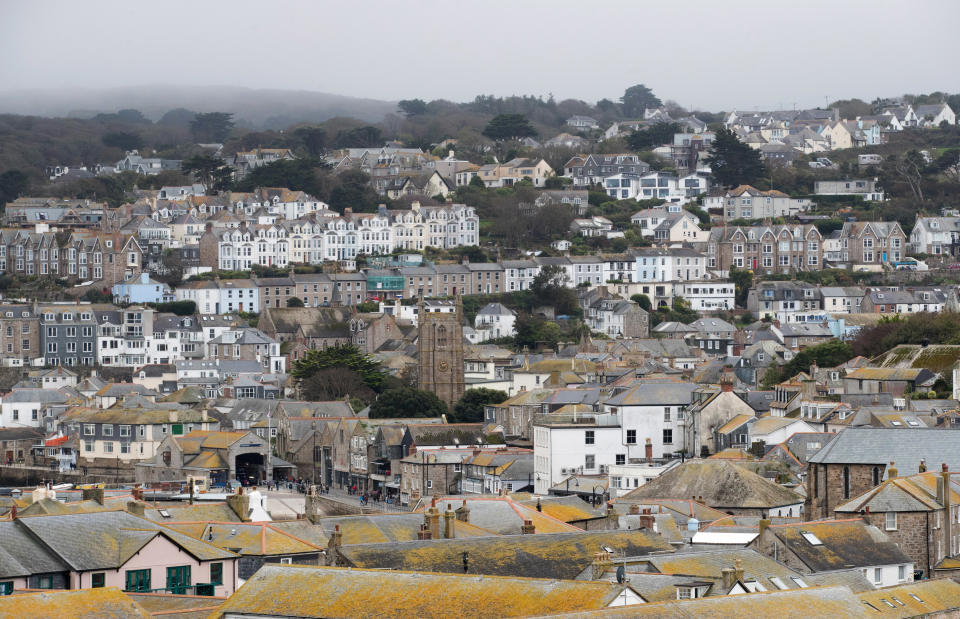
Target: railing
206, 589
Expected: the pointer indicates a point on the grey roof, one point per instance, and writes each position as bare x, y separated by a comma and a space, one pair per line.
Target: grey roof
47, 396
106, 540
905, 446
22, 555
496, 309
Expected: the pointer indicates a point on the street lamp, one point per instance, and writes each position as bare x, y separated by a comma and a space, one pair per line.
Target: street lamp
313, 454
575, 481
593, 494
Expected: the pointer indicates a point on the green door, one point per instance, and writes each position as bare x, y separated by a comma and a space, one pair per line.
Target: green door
138, 580
178, 579
6, 588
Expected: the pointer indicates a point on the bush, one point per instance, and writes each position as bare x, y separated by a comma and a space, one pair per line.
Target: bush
180, 308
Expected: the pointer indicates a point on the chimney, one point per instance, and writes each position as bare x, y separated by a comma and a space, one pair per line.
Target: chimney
448, 519
463, 512
137, 493
601, 561
13, 511
432, 519
726, 385
528, 528
776, 323
646, 520
240, 504
891, 471
423, 533
764, 525
334, 545
738, 569
648, 450
135, 508
92, 494
923, 465
945, 480
813, 369
728, 578
634, 509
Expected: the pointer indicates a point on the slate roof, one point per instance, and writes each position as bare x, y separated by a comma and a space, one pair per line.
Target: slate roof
652, 393
22, 555
102, 603
557, 555
845, 543
905, 446
721, 483
106, 540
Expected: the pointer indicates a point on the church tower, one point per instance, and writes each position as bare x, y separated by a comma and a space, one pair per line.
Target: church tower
440, 352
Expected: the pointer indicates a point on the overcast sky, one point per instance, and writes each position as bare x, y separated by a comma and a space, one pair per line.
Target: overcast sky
710, 54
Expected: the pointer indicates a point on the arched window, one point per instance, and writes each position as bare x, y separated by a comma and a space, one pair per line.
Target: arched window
441, 337
846, 482
876, 475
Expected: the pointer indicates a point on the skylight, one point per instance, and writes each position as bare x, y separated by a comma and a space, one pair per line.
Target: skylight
164, 513
779, 584
799, 582
810, 537
916, 598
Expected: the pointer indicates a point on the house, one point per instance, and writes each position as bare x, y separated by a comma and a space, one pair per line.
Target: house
918, 512
710, 413
857, 459
830, 545
722, 485
619, 318
595, 226
577, 199
582, 122
866, 190
934, 114
888, 380
669, 225
24, 407
494, 321
566, 140
19, 335
651, 410
514, 171
592, 169
748, 202
765, 249
134, 554
937, 236
214, 455
141, 289
872, 245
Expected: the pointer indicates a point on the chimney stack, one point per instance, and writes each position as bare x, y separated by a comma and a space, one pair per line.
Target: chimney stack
728, 578
334, 545
891, 471
923, 465
432, 520
528, 528
463, 512
648, 450
738, 569
634, 509
448, 519
947, 507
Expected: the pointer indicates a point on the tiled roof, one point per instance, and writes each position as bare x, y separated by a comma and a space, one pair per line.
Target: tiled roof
105, 603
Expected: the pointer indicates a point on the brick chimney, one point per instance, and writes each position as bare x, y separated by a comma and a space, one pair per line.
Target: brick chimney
601, 561
135, 508
137, 493
646, 519
528, 528
648, 450
726, 385
891, 471
728, 578
92, 494
423, 532
431, 518
13, 511
634, 509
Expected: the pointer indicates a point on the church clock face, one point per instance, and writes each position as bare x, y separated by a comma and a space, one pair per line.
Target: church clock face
443, 366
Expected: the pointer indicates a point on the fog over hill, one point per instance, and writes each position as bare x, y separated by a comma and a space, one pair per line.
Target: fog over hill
255, 108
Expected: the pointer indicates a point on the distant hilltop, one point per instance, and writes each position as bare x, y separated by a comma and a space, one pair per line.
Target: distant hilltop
260, 108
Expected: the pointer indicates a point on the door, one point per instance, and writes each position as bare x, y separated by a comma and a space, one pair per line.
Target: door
178, 579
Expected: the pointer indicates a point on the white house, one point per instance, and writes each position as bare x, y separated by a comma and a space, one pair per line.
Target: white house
664, 265
574, 443
651, 410
221, 296
934, 235
707, 295
24, 407
493, 321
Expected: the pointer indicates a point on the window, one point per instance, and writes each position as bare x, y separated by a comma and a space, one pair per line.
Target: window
891, 523
88, 445
666, 413
216, 573
668, 437
429, 483
877, 575
45, 582
588, 437
124, 431
108, 447
178, 579
876, 475
6, 588
779, 584
799, 582
98, 580
89, 429
901, 573
621, 459
631, 437
590, 462
845, 478
289, 560
138, 580
810, 537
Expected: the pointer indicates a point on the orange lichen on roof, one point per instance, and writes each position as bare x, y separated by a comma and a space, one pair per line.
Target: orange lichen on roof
105, 603
935, 596
304, 591
247, 538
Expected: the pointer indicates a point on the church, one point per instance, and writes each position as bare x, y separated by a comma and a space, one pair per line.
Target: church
440, 350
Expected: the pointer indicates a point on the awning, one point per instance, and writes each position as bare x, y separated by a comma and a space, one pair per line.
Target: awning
392, 484
56, 442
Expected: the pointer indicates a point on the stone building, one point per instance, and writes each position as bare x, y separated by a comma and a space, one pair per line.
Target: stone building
440, 352
19, 335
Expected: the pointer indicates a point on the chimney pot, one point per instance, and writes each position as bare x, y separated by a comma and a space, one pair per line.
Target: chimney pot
891, 471
944, 467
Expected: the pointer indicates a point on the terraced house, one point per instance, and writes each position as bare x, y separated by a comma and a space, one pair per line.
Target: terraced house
765, 249
68, 334
872, 244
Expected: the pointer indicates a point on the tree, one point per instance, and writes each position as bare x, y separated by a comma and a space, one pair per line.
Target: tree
13, 183
335, 383
638, 98
828, 354
366, 136
732, 162
407, 402
469, 409
314, 139
412, 107
177, 117
643, 301
122, 140
180, 308
211, 127
742, 282
910, 169
655, 135
354, 191
345, 356
477, 182
204, 168
852, 108
550, 287
294, 302
509, 127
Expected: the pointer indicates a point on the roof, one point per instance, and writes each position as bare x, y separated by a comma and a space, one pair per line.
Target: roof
258, 538
21, 554
651, 393
304, 591
721, 483
551, 555
504, 516
106, 540
844, 544
104, 603
905, 446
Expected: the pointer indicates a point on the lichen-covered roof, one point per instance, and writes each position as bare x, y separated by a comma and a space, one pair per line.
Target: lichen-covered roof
258, 538
213, 512
721, 483
812, 603
557, 555
303, 591
504, 516
177, 606
570, 508
105, 603
845, 543
935, 597
372, 528
709, 565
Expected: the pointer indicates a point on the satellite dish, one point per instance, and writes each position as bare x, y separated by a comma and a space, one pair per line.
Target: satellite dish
621, 575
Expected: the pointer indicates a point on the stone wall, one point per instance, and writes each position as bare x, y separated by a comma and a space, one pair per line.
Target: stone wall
829, 491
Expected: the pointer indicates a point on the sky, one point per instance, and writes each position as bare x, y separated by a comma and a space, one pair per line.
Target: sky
704, 54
